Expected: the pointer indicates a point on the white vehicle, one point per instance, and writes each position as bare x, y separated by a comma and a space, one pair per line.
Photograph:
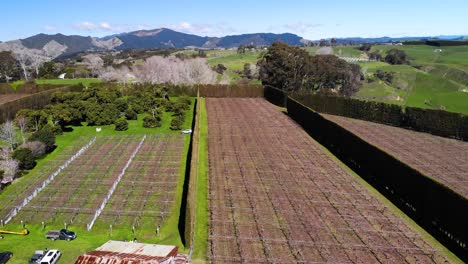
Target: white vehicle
186, 131
51, 257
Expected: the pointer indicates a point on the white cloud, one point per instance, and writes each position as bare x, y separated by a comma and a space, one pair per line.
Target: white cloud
105, 26
86, 25
301, 27
102, 26
218, 29
142, 27
49, 28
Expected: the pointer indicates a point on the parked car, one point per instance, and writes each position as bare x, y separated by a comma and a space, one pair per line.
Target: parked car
51, 257
186, 131
63, 234
5, 256
36, 258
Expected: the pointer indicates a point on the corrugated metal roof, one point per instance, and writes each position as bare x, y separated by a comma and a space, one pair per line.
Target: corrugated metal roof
118, 252
137, 248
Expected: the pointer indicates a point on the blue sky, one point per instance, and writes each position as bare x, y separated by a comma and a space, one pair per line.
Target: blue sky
310, 19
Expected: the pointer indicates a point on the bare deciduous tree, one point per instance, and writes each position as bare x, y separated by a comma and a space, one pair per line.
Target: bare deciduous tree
10, 168
36, 62
24, 60
94, 63
7, 133
30, 58
22, 121
37, 147
122, 74
157, 69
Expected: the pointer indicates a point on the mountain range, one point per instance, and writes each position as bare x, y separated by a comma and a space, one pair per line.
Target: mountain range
59, 45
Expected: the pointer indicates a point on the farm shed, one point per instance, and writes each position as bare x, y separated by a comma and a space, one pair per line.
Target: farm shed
118, 252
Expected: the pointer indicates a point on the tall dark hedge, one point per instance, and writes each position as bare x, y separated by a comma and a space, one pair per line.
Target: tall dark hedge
354, 108
437, 122
275, 96
432, 205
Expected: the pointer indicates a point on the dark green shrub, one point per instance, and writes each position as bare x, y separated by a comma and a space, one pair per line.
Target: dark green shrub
121, 124
185, 100
46, 135
25, 158
121, 104
131, 114
177, 122
150, 121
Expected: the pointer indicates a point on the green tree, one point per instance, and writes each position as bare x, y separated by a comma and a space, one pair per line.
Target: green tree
241, 49
46, 135
396, 56
121, 124
247, 71
384, 75
177, 122
37, 119
150, 121
219, 68
294, 70
179, 108
285, 67
185, 100
130, 114
59, 113
10, 69
365, 47
121, 104
47, 70
25, 158
332, 74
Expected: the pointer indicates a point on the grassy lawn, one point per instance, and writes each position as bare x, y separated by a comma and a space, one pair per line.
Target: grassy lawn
232, 61
201, 226
24, 246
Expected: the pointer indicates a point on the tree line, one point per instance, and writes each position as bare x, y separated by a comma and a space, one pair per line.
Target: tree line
295, 70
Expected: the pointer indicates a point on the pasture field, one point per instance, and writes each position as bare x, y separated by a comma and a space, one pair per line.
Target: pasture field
275, 195
447, 165
233, 61
340, 51
436, 80
413, 87
455, 56
154, 168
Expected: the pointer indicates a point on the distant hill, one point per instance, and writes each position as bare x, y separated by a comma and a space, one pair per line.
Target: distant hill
359, 40
60, 45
